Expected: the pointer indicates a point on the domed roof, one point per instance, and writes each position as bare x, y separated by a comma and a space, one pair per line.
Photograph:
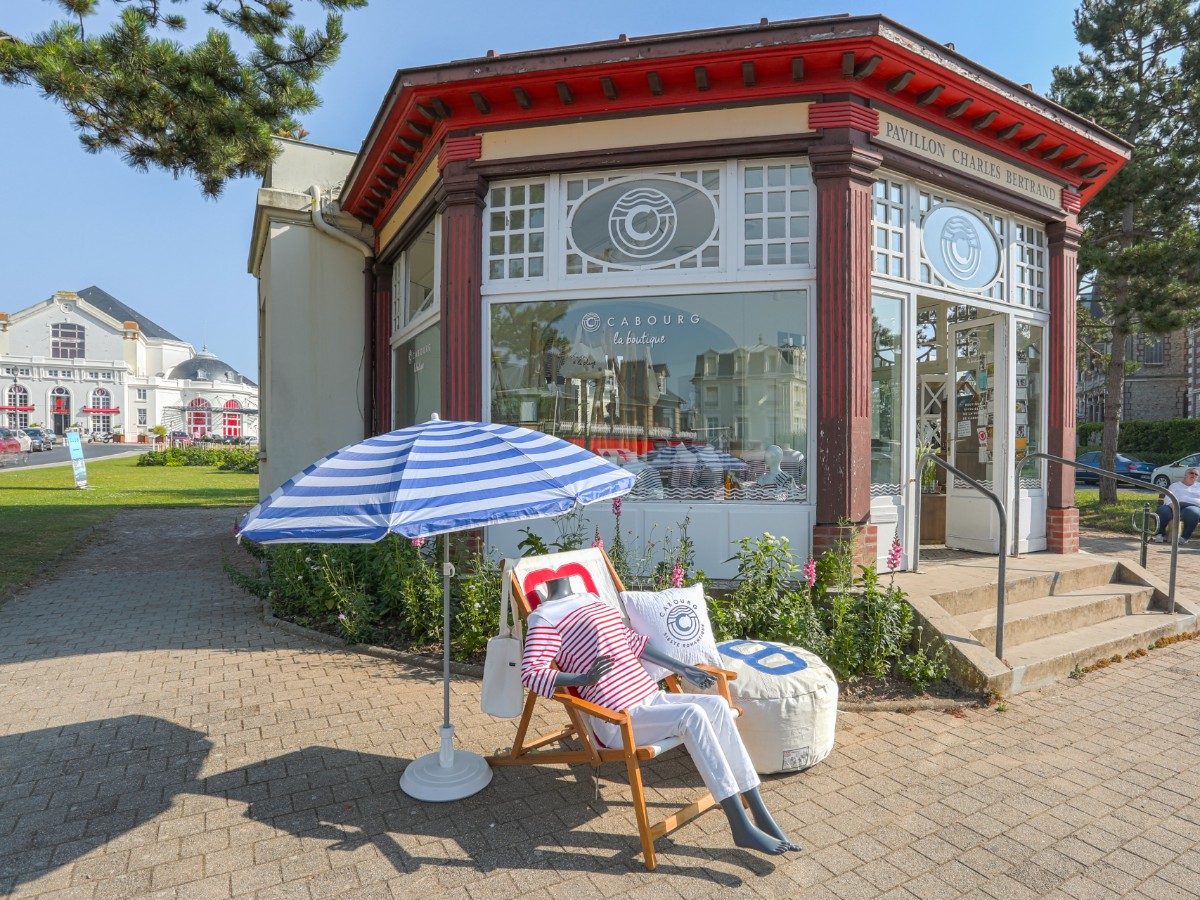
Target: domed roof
205, 366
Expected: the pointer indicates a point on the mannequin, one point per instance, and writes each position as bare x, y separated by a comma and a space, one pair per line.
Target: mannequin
577, 630
774, 474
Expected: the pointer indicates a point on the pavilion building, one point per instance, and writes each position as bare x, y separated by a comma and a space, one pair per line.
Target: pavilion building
828, 241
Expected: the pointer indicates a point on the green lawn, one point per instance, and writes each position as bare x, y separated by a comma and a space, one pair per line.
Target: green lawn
42, 512
1115, 517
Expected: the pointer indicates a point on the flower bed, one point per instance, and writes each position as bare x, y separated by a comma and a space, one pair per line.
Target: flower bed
390, 594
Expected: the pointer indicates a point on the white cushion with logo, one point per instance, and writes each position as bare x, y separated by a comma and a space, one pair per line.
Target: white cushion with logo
788, 698
676, 621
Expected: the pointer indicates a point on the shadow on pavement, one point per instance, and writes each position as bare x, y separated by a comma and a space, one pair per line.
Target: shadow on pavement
67, 791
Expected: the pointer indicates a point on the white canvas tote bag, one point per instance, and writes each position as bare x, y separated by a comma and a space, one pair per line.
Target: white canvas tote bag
503, 694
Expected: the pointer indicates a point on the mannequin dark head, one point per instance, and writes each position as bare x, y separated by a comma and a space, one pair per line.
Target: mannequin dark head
557, 588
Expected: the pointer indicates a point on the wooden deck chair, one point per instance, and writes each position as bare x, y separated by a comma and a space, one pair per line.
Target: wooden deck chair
592, 571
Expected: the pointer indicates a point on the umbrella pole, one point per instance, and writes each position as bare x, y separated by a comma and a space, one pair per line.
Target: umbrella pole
448, 774
446, 572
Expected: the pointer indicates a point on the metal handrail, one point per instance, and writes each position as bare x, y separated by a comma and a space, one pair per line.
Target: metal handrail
1003, 537
1062, 460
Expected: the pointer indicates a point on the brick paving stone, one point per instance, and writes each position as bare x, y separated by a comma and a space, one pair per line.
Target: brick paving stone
161, 741
1158, 889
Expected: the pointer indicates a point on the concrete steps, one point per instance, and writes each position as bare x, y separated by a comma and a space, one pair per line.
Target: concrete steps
1061, 613
1047, 616
1054, 657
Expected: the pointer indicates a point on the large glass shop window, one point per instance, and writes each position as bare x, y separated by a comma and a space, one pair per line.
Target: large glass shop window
702, 396
414, 280
417, 366
887, 372
1027, 402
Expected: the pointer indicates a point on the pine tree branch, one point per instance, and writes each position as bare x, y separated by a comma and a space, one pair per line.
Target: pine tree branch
206, 108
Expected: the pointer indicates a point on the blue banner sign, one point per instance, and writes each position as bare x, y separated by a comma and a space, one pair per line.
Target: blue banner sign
77, 463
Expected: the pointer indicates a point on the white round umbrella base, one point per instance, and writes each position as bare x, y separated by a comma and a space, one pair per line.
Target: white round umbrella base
427, 779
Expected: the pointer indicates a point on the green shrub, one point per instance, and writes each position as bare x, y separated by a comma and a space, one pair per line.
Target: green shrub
766, 604
858, 623
476, 605
1160, 441
227, 459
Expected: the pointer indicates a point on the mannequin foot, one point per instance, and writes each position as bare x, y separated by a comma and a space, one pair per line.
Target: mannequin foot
764, 820
746, 835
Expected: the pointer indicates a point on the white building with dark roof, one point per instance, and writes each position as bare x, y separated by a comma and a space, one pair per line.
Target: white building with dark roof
86, 360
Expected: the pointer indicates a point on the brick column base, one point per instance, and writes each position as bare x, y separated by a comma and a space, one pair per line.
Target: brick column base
1062, 530
827, 537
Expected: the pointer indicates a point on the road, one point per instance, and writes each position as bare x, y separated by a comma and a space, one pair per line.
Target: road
61, 455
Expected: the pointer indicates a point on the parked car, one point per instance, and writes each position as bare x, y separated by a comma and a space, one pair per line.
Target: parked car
23, 439
39, 439
1165, 476
51, 439
10, 448
14, 446
1127, 464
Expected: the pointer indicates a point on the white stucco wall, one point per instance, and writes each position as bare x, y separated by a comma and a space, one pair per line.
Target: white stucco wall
312, 368
30, 334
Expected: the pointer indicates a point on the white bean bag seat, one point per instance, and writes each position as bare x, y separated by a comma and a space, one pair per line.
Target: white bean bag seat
788, 698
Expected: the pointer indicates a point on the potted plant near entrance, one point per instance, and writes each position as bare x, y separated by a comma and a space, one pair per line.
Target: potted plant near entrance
933, 501
159, 433
118, 437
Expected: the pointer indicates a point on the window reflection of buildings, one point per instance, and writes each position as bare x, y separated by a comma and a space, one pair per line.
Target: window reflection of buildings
628, 398
772, 382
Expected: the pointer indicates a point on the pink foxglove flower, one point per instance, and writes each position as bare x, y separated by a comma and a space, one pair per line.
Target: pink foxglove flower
893, 560
810, 571
617, 506
598, 542
677, 576
418, 542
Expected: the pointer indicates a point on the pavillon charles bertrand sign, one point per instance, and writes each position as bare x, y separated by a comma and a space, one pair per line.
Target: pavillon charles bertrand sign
951, 154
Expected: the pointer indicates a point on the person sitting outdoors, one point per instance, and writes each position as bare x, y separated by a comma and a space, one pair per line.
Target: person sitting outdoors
1188, 494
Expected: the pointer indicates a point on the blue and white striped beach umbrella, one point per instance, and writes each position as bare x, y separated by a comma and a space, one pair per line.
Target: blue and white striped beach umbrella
429, 479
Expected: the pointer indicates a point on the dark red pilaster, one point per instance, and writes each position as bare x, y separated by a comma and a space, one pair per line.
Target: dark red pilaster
843, 171
1062, 528
461, 207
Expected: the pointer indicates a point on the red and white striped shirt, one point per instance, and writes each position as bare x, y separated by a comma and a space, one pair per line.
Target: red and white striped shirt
573, 632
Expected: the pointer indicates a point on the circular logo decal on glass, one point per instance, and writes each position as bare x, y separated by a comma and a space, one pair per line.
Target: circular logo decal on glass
591, 322
683, 624
643, 222
961, 247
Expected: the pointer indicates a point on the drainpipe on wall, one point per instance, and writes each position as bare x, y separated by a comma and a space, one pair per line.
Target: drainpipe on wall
368, 253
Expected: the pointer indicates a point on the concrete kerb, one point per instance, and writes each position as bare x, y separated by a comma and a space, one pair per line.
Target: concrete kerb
473, 671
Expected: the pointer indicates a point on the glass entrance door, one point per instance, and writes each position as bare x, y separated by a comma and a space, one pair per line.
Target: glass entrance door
978, 440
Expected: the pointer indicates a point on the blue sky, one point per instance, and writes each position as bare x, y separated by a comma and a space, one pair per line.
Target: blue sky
72, 219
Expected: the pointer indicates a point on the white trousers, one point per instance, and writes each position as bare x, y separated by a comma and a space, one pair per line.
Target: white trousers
706, 724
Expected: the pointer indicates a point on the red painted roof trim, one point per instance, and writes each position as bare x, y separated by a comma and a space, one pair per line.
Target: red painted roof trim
844, 114
414, 127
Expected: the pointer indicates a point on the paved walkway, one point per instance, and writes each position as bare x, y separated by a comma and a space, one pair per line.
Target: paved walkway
157, 740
